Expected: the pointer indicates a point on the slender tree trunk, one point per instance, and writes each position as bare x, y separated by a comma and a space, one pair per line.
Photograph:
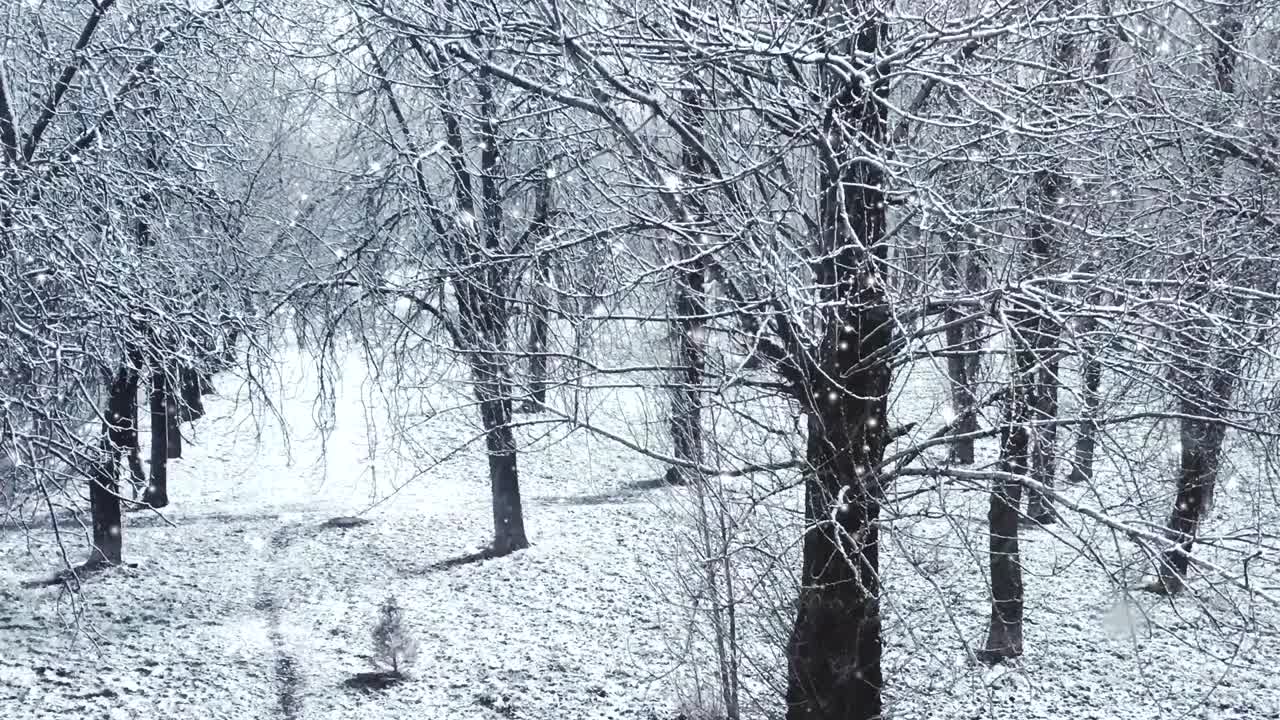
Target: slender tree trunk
487, 314
961, 368
686, 405
1044, 454
1087, 439
104, 483
1004, 628
484, 314
1091, 363
172, 416
1208, 382
540, 318
157, 493
194, 384
690, 322
539, 335
131, 437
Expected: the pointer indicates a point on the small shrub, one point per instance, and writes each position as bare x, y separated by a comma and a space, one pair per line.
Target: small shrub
394, 649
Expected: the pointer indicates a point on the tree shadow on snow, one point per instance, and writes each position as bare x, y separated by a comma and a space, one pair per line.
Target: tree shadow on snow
479, 556
628, 493
370, 681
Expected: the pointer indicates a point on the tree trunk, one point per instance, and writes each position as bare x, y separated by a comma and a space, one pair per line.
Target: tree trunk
194, 384
131, 437
1207, 384
504, 478
539, 334
1044, 456
1004, 629
118, 431
690, 311
157, 493
172, 416
686, 405
1202, 429
961, 367
487, 315
540, 325
1087, 439
834, 652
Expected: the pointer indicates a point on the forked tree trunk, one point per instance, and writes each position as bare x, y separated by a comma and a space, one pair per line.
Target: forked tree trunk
486, 315
541, 298
1202, 430
104, 483
1004, 627
834, 652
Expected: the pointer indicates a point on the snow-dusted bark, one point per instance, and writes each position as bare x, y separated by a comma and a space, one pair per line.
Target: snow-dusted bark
961, 274
835, 648
1205, 374
119, 436
688, 333
1004, 628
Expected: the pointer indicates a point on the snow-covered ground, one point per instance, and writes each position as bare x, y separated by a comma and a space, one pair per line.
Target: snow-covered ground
243, 605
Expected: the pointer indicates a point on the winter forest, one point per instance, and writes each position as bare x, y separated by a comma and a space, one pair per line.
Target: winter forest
654, 359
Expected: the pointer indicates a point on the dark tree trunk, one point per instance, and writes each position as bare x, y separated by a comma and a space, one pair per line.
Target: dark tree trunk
485, 315
690, 322
960, 337
686, 405
1044, 457
1087, 439
172, 416
539, 334
1046, 200
540, 318
834, 652
1040, 334
194, 386
118, 432
131, 438
157, 492
504, 478
1202, 429
1004, 629
1207, 382
835, 647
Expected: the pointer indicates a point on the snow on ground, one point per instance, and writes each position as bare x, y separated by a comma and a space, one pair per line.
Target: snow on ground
242, 605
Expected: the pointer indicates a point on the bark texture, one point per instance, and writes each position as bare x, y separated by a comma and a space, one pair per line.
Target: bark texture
835, 648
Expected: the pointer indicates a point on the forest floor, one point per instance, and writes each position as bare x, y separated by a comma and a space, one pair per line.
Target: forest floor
241, 603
